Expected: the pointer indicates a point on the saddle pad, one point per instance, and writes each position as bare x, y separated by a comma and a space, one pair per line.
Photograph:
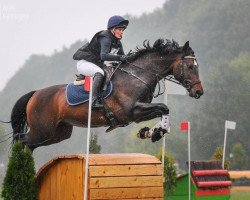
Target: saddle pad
75, 94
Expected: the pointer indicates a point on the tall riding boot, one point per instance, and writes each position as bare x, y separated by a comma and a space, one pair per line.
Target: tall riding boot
96, 88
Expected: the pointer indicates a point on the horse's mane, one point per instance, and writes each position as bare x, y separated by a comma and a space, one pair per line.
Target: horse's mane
163, 46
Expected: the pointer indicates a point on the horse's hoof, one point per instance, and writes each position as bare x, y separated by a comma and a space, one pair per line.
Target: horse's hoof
143, 133
158, 134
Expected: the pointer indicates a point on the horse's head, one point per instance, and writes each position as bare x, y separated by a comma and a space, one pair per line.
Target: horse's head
168, 58
186, 71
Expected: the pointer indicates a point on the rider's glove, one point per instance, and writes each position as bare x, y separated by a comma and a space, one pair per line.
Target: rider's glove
128, 58
123, 58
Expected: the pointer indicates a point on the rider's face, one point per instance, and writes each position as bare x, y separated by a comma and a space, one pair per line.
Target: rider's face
118, 32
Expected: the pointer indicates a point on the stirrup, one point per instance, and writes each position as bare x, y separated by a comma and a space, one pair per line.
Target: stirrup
97, 104
79, 77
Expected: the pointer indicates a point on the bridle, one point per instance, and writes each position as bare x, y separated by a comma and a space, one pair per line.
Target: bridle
187, 83
182, 80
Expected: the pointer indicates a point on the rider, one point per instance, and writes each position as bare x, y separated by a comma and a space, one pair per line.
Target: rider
104, 46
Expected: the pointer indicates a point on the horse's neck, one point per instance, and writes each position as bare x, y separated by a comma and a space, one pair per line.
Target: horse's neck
139, 78
153, 65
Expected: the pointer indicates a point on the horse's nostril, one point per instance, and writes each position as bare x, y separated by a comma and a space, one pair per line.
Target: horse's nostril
202, 92
199, 92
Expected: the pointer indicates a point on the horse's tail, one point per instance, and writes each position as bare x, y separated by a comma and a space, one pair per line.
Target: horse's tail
18, 116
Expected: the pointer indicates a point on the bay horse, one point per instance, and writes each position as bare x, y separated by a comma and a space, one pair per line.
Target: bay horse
43, 117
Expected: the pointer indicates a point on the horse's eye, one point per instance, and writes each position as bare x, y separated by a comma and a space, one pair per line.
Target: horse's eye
191, 67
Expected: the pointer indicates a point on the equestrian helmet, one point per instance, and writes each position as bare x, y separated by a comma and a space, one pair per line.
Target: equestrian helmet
117, 22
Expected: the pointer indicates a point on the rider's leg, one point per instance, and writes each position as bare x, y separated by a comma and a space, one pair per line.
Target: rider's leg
96, 88
89, 69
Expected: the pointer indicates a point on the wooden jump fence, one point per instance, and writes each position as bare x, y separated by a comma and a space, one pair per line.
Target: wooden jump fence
111, 176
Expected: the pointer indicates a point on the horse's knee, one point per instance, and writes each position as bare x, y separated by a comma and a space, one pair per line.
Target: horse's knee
163, 107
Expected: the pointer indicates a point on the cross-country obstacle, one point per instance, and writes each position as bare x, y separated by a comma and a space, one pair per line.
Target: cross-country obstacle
111, 176
209, 182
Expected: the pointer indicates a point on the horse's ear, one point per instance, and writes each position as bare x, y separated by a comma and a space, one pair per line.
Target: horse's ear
186, 46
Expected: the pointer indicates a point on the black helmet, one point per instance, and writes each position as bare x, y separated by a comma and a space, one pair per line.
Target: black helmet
118, 22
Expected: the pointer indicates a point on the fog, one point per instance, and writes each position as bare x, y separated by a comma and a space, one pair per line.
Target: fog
40, 27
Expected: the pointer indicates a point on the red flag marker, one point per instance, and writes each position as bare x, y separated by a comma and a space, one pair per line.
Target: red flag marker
87, 83
184, 126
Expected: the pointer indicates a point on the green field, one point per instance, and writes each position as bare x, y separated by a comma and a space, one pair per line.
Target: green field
0, 192
240, 196
234, 195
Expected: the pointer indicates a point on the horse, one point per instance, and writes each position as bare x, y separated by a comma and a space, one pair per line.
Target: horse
43, 117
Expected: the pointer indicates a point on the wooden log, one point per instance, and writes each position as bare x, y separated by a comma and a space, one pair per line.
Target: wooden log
125, 193
211, 172
122, 159
214, 183
118, 182
126, 170
217, 192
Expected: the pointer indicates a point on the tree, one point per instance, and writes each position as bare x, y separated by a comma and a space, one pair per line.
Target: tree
170, 174
2, 140
19, 181
94, 147
218, 155
241, 63
239, 160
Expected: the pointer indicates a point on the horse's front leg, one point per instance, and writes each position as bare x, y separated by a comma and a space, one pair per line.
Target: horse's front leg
148, 111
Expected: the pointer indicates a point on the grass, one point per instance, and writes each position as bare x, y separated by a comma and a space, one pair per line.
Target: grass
240, 196
0, 192
234, 195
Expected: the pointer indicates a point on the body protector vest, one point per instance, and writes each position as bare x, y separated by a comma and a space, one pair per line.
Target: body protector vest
91, 51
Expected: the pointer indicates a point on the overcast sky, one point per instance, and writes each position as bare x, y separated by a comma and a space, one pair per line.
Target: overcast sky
34, 27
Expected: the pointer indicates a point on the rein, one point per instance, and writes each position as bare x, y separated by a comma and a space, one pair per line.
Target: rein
157, 79
132, 74
148, 86
183, 81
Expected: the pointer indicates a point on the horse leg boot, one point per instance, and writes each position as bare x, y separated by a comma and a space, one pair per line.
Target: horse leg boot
96, 88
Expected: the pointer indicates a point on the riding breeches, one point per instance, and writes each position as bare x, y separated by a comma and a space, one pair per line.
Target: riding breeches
87, 68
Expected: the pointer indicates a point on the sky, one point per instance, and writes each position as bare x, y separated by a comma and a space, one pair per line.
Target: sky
40, 27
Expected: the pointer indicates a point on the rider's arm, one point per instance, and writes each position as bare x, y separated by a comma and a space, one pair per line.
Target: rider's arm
105, 48
121, 52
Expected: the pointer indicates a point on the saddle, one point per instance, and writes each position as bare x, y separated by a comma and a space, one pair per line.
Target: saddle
76, 92
76, 95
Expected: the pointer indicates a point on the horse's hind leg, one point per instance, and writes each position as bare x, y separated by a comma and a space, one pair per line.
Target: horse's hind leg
63, 132
44, 137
